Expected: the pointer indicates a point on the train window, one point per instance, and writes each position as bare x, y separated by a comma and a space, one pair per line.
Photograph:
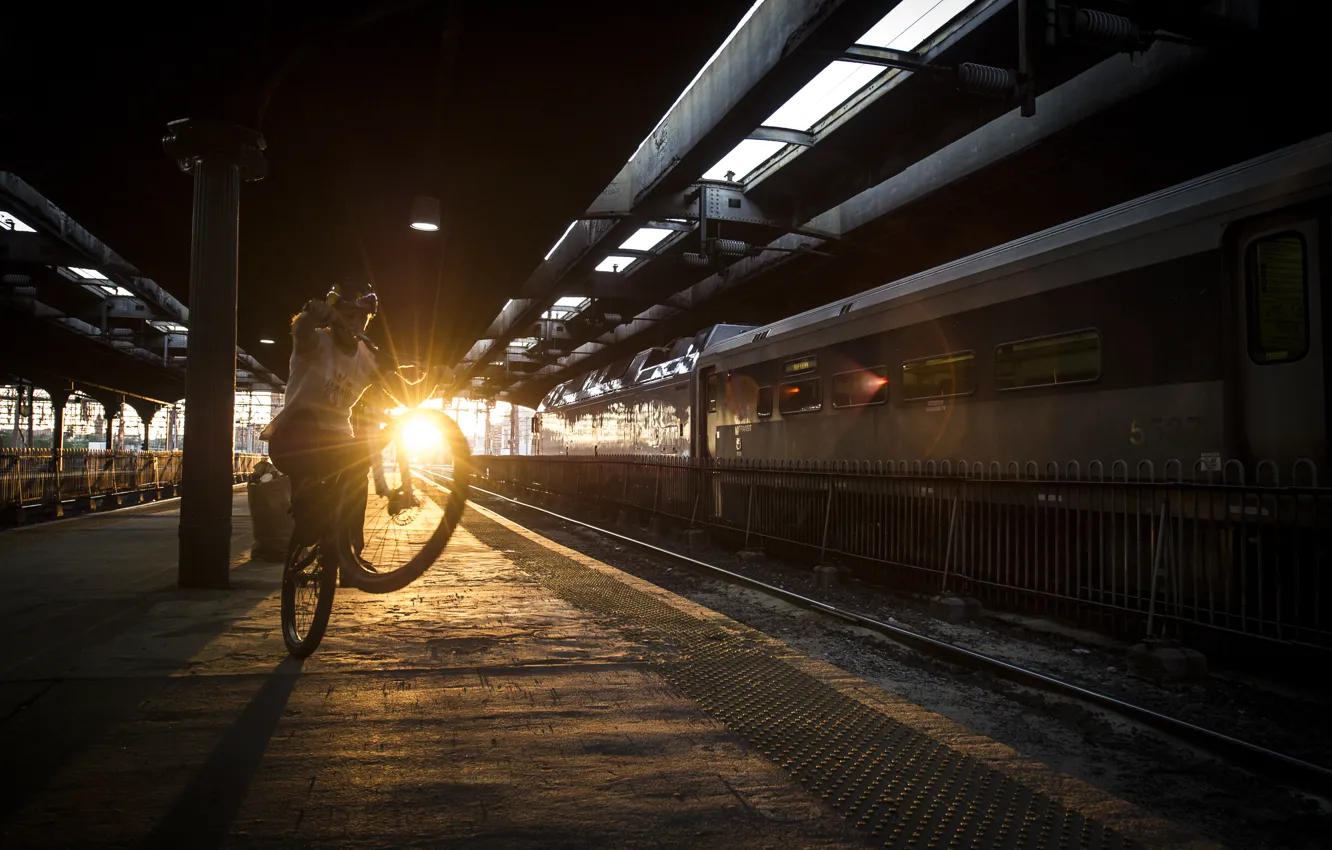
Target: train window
800, 397
1071, 358
939, 377
860, 388
1278, 299
712, 393
764, 401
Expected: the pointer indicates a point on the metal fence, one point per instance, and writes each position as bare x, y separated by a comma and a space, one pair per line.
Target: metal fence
1133, 551
35, 477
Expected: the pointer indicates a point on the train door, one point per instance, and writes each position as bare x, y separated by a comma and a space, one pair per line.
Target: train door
1282, 353
705, 413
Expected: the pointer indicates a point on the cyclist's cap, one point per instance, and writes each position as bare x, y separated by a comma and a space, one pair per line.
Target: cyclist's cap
362, 297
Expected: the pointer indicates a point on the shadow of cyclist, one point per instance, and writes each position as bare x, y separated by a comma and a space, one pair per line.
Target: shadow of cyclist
201, 815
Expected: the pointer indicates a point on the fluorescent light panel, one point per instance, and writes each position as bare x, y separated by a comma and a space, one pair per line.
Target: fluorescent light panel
645, 239
88, 274
910, 24
614, 263
744, 158
832, 87
8, 221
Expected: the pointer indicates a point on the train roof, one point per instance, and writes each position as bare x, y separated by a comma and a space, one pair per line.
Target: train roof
651, 366
1196, 212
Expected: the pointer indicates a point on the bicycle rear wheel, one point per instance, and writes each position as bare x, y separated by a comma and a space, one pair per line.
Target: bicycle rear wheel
309, 580
400, 546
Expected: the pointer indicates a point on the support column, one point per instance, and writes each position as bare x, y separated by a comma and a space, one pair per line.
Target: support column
146, 410
515, 429
32, 403
111, 408
219, 156
59, 396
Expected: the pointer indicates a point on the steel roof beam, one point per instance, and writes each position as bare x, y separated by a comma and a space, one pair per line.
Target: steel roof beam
1107, 84
75, 245
781, 46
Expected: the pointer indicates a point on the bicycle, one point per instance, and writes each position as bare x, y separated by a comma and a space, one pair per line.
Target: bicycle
312, 569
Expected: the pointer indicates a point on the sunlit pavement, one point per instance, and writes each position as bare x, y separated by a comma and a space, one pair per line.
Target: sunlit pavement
472, 709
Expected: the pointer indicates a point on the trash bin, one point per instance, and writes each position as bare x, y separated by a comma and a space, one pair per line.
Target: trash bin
269, 495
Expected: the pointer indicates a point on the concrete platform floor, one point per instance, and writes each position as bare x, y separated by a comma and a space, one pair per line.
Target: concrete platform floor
477, 708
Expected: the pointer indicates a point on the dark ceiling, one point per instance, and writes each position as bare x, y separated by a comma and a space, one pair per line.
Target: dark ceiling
542, 105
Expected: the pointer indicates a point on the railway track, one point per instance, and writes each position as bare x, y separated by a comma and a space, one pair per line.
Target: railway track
1304, 775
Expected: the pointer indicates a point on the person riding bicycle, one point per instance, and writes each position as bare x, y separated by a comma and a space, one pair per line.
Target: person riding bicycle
331, 367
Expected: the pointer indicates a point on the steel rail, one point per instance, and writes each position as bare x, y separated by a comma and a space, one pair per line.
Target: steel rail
1287, 768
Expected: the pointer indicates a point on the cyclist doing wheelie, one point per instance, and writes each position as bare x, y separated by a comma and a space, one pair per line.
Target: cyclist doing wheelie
312, 440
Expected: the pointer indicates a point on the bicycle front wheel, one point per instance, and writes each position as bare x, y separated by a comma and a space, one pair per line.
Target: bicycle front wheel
405, 533
309, 580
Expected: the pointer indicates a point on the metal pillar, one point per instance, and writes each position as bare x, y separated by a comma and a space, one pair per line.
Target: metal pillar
110, 410
146, 410
515, 425
172, 415
32, 403
59, 397
220, 156
14, 425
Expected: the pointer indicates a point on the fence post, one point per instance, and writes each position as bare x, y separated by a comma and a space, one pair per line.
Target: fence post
698, 494
827, 516
749, 513
656, 490
1156, 565
948, 550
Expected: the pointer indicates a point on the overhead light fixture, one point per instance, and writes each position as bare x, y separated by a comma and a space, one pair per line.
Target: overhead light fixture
645, 239
614, 264
425, 213
266, 341
88, 274
9, 222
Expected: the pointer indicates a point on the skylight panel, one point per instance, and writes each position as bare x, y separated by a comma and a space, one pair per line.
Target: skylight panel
88, 274
743, 158
645, 239
574, 301
912, 22
821, 95
9, 222
614, 263
560, 241
523, 343
113, 289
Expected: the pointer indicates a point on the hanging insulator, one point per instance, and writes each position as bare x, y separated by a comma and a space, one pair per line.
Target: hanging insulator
730, 247
1106, 28
986, 80
696, 261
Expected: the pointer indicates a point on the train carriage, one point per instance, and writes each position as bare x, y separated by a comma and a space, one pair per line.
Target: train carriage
1184, 327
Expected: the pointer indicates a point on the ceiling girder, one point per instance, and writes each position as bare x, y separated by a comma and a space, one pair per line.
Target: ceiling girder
776, 52
1109, 83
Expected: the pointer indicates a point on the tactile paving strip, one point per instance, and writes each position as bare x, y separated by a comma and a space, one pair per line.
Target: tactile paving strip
900, 786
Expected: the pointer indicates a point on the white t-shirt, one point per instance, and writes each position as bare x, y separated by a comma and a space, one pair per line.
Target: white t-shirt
327, 381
